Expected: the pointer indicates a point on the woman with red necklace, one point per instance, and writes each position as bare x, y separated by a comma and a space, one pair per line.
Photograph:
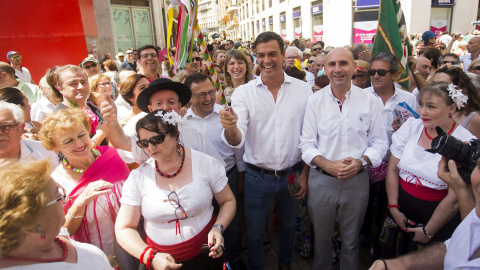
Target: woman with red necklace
92, 180
31, 216
415, 193
173, 191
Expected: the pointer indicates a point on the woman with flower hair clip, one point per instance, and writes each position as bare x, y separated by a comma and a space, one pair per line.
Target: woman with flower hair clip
173, 191
419, 202
468, 115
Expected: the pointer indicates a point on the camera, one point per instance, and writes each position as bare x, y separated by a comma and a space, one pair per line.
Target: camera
465, 155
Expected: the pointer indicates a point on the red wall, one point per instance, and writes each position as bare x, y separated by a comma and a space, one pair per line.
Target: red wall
46, 33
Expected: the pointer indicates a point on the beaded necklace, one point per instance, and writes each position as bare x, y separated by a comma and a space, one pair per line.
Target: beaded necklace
96, 154
175, 173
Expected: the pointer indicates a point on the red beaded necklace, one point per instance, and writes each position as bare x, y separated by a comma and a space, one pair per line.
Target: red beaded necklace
450, 131
175, 173
62, 244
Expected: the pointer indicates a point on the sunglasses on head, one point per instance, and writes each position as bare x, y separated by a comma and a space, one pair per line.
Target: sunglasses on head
88, 67
381, 72
155, 140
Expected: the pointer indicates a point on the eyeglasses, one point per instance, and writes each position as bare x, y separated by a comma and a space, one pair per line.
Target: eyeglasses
476, 68
129, 53
175, 202
61, 198
17, 56
91, 66
203, 95
198, 59
147, 55
316, 89
316, 49
310, 61
6, 128
155, 140
293, 57
381, 72
360, 76
450, 62
105, 84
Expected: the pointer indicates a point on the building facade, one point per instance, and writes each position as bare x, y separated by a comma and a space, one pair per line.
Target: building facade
208, 16
342, 22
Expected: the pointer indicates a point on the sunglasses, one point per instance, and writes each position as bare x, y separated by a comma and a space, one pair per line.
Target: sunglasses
316, 49
476, 68
450, 62
198, 59
155, 140
381, 72
91, 66
16, 56
129, 53
310, 61
7, 128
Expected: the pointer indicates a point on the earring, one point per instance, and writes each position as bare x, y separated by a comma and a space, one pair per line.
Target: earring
39, 230
450, 115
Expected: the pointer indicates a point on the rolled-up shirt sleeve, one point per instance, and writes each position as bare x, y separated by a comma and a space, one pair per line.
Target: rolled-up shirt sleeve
308, 139
239, 106
377, 135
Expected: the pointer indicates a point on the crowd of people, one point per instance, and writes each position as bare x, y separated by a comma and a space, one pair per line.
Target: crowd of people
131, 164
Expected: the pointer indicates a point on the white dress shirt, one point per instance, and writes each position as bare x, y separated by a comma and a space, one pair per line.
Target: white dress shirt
41, 109
463, 244
310, 78
357, 130
466, 60
213, 128
23, 75
388, 108
271, 129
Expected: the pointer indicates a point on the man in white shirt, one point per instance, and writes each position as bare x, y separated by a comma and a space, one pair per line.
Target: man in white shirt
22, 73
161, 94
12, 146
7, 79
266, 116
205, 113
343, 132
473, 48
45, 105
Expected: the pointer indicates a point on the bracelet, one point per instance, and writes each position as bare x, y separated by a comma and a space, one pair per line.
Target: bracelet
143, 254
393, 205
429, 236
150, 259
384, 263
72, 216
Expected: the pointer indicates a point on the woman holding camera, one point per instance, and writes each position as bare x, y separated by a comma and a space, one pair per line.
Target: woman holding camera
419, 202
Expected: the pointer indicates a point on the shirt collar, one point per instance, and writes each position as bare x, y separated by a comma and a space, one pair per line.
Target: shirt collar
286, 79
330, 92
192, 114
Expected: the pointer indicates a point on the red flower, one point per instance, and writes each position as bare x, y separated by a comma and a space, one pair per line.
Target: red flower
291, 179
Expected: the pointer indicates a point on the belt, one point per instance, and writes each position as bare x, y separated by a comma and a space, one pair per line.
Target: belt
324, 172
296, 166
231, 170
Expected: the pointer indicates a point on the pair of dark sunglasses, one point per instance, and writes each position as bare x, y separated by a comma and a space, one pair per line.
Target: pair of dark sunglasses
381, 72
310, 61
358, 76
198, 59
155, 140
91, 66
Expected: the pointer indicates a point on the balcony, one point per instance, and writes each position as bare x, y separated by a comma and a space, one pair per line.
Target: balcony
232, 9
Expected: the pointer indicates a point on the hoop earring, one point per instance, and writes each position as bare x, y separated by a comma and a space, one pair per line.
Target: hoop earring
39, 230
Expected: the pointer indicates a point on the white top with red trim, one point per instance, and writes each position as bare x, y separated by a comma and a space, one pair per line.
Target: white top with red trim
416, 165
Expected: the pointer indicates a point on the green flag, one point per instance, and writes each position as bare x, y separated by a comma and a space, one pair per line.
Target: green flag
392, 36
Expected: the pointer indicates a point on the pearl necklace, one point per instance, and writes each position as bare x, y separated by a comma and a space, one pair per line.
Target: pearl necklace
96, 154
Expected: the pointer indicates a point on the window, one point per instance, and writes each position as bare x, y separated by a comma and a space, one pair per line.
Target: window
132, 27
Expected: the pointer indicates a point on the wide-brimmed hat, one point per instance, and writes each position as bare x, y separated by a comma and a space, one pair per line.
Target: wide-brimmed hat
184, 93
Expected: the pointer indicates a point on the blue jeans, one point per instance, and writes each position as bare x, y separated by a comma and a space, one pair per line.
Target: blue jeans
259, 190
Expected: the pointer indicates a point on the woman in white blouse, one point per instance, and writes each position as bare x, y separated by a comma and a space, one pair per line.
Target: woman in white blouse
173, 192
415, 193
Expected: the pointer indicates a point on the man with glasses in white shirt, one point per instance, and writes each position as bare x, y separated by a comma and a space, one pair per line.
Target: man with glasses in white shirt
343, 133
266, 116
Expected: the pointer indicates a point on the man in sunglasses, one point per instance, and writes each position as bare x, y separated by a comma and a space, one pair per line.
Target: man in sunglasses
193, 65
22, 73
361, 51
12, 146
316, 49
90, 66
130, 62
343, 133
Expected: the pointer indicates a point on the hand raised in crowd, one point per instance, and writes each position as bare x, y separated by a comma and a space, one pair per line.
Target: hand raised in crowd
165, 261
412, 63
228, 118
108, 109
354, 166
215, 242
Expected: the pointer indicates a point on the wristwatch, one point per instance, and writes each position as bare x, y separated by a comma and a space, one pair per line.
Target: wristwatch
219, 226
364, 163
